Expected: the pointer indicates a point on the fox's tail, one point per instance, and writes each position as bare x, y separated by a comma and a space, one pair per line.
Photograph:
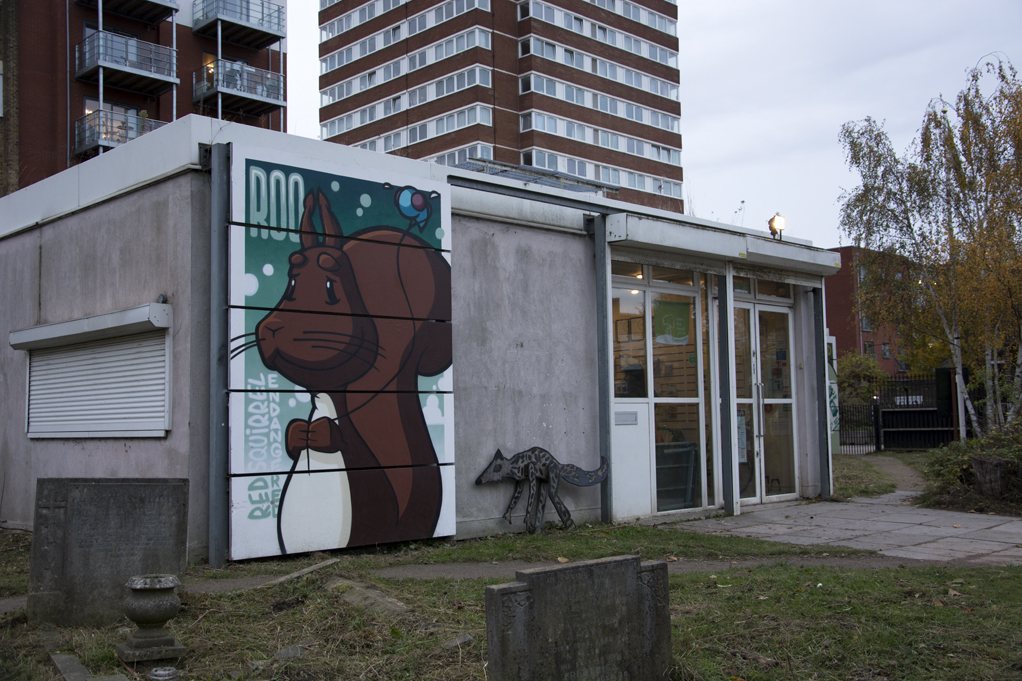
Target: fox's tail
583, 478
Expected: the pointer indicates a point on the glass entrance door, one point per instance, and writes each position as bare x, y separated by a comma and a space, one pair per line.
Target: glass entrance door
765, 423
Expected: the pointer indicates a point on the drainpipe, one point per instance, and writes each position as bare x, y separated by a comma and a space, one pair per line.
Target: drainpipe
216, 71
102, 114
219, 205
173, 46
726, 380
598, 224
822, 401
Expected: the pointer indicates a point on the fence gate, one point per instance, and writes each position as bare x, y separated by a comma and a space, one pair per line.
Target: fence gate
859, 428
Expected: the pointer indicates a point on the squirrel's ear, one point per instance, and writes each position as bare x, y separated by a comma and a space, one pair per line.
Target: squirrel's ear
498, 455
308, 234
331, 227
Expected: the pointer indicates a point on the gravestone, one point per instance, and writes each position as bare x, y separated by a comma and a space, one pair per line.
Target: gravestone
596, 620
92, 534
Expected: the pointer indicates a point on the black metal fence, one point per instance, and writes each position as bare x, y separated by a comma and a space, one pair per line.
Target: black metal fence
858, 428
908, 412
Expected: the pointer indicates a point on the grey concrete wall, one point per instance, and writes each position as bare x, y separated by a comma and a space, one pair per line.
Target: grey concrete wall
115, 255
525, 371
805, 376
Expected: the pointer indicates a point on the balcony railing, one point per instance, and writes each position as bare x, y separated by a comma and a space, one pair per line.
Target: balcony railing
109, 129
243, 88
131, 64
249, 23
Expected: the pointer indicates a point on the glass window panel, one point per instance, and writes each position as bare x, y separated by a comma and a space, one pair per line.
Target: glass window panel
743, 354
675, 362
629, 312
678, 478
775, 355
704, 300
742, 285
672, 276
626, 269
778, 449
773, 288
745, 432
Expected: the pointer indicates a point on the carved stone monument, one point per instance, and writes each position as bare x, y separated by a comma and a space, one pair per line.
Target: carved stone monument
92, 534
596, 620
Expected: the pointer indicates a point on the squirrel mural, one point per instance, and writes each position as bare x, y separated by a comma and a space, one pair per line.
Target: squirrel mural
355, 328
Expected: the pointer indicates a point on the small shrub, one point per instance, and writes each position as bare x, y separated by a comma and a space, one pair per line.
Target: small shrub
950, 467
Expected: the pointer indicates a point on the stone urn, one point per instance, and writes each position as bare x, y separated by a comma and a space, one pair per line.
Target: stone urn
150, 605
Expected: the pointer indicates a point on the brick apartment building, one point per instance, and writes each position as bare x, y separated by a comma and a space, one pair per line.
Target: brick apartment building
84, 76
854, 332
587, 91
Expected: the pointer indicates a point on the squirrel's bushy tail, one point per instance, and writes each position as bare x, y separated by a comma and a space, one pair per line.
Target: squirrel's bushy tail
583, 478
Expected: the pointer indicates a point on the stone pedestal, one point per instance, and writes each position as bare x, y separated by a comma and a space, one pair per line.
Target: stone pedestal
151, 604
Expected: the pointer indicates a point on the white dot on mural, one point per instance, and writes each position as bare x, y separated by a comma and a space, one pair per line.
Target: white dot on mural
335, 185
303, 397
250, 284
292, 402
439, 233
366, 200
358, 212
268, 270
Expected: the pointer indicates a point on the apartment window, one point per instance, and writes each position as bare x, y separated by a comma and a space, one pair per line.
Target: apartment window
366, 13
865, 324
367, 81
576, 167
417, 61
867, 348
392, 141
417, 96
574, 95
885, 350
416, 133
610, 175
417, 24
392, 106
573, 23
525, 83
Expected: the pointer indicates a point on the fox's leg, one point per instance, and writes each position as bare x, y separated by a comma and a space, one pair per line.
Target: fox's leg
519, 488
541, 504
531, 502
562, 510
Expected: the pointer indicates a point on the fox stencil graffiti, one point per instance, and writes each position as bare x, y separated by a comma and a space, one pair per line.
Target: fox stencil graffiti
341, 361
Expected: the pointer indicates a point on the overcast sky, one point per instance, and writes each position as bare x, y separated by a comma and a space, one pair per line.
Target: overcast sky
766, 86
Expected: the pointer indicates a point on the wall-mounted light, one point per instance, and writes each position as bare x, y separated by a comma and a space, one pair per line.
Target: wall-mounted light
776, 225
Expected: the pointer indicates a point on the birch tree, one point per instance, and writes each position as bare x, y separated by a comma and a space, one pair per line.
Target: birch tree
940, 229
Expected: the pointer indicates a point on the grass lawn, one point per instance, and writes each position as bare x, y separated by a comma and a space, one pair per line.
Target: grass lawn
770, 622
855, 476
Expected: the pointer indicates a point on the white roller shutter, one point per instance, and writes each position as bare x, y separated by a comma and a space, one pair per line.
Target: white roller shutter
105, 388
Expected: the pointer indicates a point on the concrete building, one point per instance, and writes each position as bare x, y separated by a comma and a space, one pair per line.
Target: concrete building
853, 331
585, 90
688, 354
83, 77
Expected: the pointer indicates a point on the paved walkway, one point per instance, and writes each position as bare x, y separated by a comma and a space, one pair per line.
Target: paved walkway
890, 524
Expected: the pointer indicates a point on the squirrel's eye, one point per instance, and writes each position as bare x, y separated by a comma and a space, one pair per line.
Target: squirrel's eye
289, 294
331, 295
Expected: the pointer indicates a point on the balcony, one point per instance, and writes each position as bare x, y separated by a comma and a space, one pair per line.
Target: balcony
243, 89
129, 64
109, 129
256, 24
151, 12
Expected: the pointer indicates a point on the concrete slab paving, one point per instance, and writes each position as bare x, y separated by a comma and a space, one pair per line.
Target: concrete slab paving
890, 524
